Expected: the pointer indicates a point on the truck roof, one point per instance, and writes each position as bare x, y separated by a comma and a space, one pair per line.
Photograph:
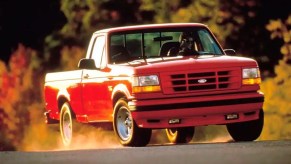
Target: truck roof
150, 26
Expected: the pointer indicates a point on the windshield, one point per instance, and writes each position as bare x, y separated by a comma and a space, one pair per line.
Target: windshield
133, 45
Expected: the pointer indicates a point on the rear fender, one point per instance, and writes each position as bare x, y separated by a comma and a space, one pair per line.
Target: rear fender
63, 93
63, 96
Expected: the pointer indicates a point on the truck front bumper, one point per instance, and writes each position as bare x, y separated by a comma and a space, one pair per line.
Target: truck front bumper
196, 111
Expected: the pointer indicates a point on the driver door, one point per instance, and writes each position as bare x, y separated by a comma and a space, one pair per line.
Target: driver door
95, 92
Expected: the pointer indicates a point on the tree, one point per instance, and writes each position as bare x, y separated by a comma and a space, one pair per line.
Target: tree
83, 18
223, 17
20, 88
282, 31
277, 90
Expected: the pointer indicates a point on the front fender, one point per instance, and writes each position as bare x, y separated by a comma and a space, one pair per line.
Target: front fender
120, 89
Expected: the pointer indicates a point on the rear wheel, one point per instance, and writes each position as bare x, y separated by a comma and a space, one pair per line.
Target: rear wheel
247, 131
180, 135
66, 124
128, 133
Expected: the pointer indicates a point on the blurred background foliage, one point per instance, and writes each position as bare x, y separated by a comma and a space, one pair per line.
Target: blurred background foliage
278, 89
53, 36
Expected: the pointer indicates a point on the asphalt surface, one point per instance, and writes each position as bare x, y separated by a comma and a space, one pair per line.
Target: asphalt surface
277, 152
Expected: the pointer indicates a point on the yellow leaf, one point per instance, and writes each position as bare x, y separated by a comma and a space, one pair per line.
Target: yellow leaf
269, 27
274, 25
284, 50
278, 24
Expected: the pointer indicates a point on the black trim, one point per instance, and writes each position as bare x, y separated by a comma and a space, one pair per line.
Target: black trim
198, 104
169, 96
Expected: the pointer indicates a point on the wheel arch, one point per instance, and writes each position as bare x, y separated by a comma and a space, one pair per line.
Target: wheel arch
61, 101
117, 96
119, 91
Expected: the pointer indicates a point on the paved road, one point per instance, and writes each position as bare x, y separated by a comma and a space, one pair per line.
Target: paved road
277, 152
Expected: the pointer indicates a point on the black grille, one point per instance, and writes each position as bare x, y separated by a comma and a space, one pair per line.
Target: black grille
200, 81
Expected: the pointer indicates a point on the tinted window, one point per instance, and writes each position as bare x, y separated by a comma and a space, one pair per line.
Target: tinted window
131, 45
208, 42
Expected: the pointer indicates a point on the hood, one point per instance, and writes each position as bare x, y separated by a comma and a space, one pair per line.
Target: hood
189, 63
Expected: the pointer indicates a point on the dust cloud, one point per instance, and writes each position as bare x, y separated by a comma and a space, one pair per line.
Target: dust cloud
203, 134
211, 134
92, 138
42, 137
48, 139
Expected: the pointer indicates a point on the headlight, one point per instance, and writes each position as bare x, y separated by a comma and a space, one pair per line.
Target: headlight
146, 84
251, 76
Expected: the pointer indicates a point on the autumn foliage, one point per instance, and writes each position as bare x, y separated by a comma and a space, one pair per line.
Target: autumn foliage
21, 97
277, 90
20, 88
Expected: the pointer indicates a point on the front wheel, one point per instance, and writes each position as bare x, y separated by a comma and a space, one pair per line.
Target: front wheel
247, 131
128, 133
66, 124
180, 135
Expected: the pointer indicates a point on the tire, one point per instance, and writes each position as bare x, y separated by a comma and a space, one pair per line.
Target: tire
128, 133
180, 135
66, 124
247, 131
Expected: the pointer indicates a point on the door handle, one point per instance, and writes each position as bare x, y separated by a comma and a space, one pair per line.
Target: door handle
86, 76
110, 77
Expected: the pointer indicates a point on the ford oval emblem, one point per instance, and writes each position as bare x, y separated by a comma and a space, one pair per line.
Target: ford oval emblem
201, 81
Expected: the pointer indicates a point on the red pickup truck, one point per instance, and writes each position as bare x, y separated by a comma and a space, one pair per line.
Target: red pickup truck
162, 76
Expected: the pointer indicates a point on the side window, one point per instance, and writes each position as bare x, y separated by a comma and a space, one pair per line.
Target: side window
124, 48
117, 40
98, 52
208, 42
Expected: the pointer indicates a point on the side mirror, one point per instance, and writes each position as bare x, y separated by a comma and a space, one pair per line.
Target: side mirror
230, 52
87, 64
